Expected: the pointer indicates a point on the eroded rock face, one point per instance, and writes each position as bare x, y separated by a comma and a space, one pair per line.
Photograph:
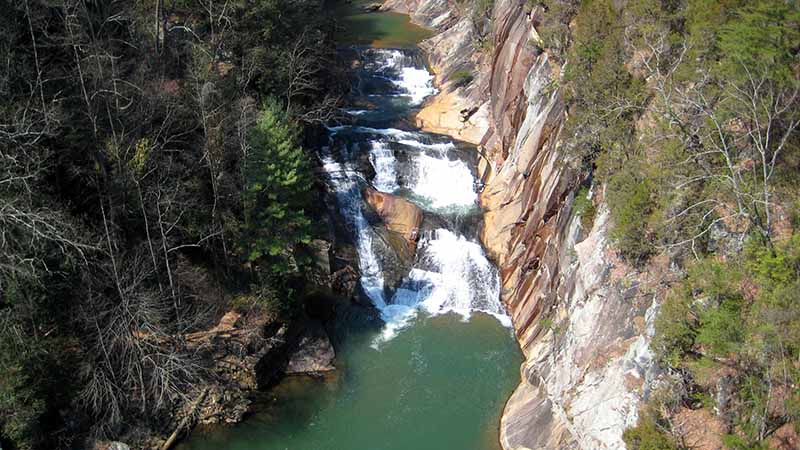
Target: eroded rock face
588, 366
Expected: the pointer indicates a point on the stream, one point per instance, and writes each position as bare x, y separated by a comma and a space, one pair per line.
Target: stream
431, 365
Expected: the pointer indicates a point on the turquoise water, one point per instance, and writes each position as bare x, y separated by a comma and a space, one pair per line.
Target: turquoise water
439, 384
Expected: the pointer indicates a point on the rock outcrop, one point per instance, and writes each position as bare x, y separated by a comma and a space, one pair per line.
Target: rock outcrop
396, 223
248, 352
582, 318
398, 214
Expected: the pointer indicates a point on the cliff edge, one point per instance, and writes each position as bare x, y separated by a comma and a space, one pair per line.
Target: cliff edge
582, 318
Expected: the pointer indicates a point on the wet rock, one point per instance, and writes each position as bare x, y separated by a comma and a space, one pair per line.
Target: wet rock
396, 228
395, 255
314, 352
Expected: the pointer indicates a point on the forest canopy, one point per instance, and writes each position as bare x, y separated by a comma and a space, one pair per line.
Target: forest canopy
152, 168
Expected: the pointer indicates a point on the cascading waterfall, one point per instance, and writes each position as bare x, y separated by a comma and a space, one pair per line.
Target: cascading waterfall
385, 164
434, 368
450, 272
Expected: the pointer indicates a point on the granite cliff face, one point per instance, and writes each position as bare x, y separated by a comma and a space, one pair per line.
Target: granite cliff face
582, 318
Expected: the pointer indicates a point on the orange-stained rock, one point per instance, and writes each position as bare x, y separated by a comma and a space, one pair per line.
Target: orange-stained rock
398, 214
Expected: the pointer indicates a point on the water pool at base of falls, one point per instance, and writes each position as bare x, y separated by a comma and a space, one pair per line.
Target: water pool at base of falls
431, 365
439, 385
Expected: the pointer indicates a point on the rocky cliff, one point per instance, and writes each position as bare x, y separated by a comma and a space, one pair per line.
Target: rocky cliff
582, 318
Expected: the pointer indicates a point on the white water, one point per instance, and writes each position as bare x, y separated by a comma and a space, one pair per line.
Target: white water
345, 182
414, 82
450, 273
385, 165
444, 183
418, 83
356, 112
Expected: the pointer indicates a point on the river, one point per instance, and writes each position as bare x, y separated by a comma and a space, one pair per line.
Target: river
430, 366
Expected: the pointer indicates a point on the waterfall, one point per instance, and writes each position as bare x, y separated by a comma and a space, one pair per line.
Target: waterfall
451, 272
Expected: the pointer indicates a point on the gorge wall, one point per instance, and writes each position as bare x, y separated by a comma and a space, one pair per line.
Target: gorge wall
582, 318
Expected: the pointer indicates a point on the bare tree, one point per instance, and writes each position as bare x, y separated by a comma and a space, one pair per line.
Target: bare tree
732, 136
138, 361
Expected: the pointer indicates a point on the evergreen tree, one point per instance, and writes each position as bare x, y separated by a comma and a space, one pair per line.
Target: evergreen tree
277, 186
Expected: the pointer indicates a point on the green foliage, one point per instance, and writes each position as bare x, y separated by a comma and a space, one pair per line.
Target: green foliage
648, 434
583, 207
630, 200
603, 97
721, 90
277, 186
762, 34
739, 314
462, 77
676, 328
734, 442
721, 331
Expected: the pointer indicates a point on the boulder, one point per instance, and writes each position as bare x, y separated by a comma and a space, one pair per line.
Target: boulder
314, 352
395, 256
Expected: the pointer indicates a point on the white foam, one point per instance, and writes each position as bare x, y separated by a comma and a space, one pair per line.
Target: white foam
444, 183
442, 147
394, 132
416, 83
356, 112
385, 165
452, 275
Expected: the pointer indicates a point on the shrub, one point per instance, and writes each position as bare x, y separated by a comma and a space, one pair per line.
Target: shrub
462, 77
583, 207
675, 329
647, 435
630, 202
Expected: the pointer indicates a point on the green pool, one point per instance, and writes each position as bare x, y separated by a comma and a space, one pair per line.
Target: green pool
377, 29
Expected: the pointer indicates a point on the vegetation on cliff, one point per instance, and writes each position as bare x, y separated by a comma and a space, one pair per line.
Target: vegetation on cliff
151, 169
687, 113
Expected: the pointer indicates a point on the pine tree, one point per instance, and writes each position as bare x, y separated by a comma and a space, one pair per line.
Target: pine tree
277, 180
